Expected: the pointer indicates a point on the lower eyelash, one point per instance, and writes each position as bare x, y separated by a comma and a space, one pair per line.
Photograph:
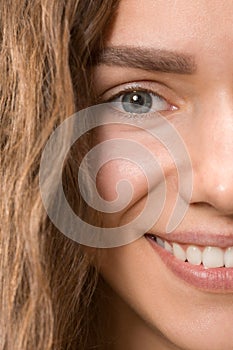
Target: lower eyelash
134, 116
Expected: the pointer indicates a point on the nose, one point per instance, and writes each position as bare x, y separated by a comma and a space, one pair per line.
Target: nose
212, 153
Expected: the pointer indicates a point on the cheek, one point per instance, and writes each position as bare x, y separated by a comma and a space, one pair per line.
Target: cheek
121, 173
123, 185
137, 155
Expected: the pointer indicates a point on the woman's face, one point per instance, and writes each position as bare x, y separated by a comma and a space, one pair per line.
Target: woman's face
166, 303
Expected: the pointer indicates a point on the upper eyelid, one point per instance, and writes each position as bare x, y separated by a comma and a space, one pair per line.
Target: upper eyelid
120, 93
137, 85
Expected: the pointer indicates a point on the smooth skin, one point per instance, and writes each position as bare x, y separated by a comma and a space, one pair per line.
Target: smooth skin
150, 307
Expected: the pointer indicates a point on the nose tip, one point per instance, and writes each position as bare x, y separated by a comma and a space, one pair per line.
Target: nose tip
222, 198
213, 184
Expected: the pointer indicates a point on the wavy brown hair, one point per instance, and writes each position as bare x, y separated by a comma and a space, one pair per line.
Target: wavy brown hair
48, 282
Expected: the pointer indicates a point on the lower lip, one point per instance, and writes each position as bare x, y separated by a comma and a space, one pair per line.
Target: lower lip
215, 280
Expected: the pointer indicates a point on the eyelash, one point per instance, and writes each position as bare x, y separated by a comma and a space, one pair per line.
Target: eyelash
133, 88
138, 89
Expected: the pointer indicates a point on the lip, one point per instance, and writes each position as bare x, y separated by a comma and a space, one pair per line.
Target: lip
198, 237
213, 280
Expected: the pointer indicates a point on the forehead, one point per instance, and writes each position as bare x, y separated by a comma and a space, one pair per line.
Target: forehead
200, 25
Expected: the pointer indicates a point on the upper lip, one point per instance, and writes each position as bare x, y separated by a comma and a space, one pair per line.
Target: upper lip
198, 237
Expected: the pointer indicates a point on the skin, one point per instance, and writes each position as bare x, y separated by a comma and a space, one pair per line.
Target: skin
150, 307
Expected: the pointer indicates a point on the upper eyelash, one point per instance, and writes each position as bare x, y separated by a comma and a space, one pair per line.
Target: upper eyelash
134, 89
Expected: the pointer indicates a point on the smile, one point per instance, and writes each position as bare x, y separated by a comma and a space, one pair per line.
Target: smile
208, 256
209, 268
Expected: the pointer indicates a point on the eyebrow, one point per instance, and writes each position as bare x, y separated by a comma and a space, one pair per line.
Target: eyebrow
149, 59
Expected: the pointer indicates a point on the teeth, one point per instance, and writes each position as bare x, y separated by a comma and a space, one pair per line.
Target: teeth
160, 242
168, 246
228, 257
193, 254
179, 252
210, 257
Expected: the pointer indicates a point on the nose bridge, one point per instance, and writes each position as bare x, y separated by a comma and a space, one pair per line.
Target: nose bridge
213, 152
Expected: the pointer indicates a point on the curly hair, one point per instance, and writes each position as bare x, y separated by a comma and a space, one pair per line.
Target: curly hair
48, 282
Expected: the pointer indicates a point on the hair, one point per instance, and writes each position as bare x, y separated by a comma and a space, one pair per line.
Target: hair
47, 281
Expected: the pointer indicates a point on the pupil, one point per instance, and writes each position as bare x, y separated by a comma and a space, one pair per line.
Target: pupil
137, 99
137, 102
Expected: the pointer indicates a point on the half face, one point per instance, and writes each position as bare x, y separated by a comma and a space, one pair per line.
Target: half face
172, 60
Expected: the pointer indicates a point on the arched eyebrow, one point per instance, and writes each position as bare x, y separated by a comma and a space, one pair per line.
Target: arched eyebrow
149, 59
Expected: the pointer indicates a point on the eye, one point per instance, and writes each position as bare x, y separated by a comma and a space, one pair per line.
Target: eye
141, 101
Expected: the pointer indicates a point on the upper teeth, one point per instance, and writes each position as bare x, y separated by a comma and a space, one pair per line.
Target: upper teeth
209, 256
